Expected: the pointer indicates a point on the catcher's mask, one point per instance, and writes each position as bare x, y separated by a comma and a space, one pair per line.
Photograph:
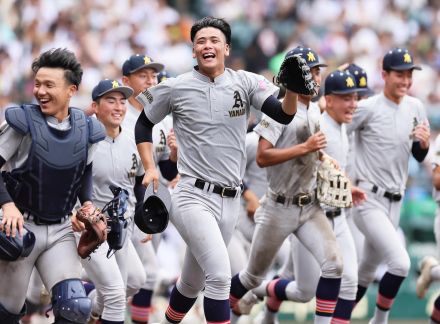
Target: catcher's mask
152, 216
12, 248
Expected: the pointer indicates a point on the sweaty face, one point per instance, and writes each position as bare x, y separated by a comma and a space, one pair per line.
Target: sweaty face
53, 92
110, 109
397, 84
341, 107
210, 50
141, 80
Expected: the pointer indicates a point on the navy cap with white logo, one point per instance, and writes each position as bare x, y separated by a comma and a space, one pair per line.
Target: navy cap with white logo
399, 59
137, 62
107, 85
340, 82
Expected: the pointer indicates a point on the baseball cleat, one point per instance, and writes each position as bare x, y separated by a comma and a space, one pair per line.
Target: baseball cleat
424, 279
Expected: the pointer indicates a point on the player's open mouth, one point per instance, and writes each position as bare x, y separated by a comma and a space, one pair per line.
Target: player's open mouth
43, 101
208, 56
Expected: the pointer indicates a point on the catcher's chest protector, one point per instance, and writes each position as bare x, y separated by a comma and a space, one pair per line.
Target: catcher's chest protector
48, 182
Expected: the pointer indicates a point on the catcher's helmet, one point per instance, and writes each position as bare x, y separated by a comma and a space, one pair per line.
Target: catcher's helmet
152, 216
11, 248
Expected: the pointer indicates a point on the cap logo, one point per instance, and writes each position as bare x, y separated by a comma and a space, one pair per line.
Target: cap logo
147, 60
407, 58
362, 82
115, 84
349, 82
311, 57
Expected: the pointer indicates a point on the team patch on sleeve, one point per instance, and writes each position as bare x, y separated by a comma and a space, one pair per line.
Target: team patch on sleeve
264, 123
263, 84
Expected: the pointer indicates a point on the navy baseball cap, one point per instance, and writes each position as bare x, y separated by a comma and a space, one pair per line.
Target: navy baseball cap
307, 54
162, 76
340, 82
107, 85
361, 79
137, 62
399, 59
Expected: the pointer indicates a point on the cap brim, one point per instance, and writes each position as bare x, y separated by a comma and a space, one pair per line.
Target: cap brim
343, 92
153, 65
126, 91
405, 67
365, 92
318, 65
162, 192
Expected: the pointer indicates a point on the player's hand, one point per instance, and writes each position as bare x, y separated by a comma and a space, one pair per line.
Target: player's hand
172, 144
147, 238
358, 196
316, 142
77, 225
333, 161
12, 220
422, 133
151, 175
252, 203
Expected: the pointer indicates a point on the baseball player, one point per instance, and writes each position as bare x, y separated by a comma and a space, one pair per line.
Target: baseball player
429, 267
46, 150
140, 72
291, 154
389, 127
110, 275
209, 105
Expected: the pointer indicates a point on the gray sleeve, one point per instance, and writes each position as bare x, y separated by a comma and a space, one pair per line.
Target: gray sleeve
259, 88
361, 114
157, 101
436, 158
10, 141
269, 129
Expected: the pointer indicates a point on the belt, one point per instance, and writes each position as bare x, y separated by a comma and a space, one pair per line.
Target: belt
333, 213
230, 192
39, 221
392, 196
301, 199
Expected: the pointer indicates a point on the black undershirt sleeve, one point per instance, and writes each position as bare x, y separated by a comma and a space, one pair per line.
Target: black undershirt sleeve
85, 192
144, 129
273, 108
168, 169
4, 194
139, 190
418, 153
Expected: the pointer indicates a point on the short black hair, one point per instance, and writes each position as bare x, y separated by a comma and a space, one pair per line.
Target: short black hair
60, 58
209, 21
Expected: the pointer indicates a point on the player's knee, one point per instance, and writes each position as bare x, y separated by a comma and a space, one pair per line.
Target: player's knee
348, 286
7, 317
218, 285
332, 266
190, 290
249, 280
305, 295
69, 302
400, 266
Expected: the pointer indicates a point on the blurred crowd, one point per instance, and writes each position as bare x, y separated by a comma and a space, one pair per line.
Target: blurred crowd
103, 33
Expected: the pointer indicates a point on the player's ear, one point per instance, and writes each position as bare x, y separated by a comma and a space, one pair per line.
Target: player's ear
193, 52
227, 49
125, 80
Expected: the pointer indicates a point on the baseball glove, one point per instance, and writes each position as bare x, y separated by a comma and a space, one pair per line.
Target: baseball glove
295, 75
95, 232
333, 187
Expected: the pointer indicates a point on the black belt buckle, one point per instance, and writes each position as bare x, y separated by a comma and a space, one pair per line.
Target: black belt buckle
303, 199
395, 196
227, 191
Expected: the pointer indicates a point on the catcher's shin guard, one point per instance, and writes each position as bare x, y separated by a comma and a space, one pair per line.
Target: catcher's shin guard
70, 302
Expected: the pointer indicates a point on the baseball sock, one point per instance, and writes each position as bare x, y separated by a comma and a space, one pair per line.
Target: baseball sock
276, 293
435, 316
178, 307
388, 287
237, 291
104, 321
326, 297
343, 311
216, 311
141, 306
360, 293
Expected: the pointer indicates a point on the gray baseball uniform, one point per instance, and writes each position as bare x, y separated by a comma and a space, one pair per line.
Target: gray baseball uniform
116, 163
278, 216
384, 141
436, 193
210, 122
52, 241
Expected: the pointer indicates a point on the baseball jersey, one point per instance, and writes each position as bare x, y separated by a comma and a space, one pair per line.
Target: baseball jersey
209, 119
297, 175
254, 176
337, 140
14, 147
160, 131
435, 163
384, 141
117, 163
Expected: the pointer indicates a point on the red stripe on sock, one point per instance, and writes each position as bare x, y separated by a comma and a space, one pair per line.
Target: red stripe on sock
173, 315
384, 302
339, 321
325, 306
140, 314
273, 303
224, 322
270, 289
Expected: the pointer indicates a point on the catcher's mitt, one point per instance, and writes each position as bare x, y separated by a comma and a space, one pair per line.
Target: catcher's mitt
333, 187
95, 232
295, 75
